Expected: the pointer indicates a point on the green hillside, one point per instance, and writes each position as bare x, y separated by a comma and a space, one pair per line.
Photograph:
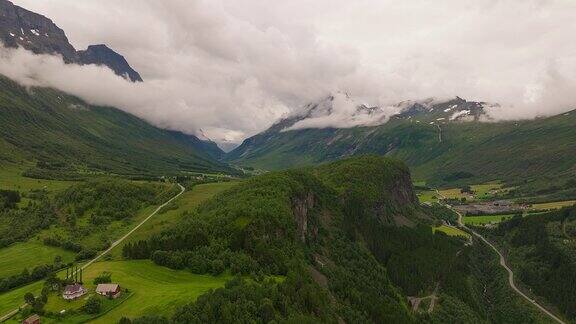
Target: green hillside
53, 135
541, 250
535, 153
345, 241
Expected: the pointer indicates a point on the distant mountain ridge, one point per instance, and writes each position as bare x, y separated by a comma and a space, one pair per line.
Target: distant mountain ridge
23, 28
447, 142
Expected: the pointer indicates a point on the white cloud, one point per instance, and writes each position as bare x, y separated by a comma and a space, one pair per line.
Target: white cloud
232, 67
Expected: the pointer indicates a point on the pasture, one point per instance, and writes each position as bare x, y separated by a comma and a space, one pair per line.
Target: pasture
11, 178
454, 193
156, 289
484, 190
428, 196
487, 219
451, 231
553, 205
18, 256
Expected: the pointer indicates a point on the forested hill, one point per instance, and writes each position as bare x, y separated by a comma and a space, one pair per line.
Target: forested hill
59, 136
438, 148
346, 241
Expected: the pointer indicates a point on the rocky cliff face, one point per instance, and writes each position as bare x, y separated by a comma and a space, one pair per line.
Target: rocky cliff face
23, 28
301, 207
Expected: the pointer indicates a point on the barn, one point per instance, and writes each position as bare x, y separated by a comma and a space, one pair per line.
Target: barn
109, 290
34, 319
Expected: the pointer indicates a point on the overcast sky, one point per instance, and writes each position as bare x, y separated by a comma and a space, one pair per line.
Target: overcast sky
233, 67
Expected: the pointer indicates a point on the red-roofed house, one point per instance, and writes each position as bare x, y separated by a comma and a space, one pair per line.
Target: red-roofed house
109, 290
34, 319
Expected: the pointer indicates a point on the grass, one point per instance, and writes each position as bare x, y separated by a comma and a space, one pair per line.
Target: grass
451, 231
157, 290
15, 298
483, 190
188, 201
427, 196
163, 220
454, 193
98, 238
18, 256
488, 219
154, 290
11, 178
554, 205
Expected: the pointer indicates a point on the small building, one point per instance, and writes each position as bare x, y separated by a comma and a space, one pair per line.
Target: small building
109, 290
33, 319
73, 291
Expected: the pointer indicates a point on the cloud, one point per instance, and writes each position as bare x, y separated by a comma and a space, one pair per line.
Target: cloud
231, 68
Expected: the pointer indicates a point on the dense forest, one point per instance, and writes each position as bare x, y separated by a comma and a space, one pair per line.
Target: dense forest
345, 241
541, 249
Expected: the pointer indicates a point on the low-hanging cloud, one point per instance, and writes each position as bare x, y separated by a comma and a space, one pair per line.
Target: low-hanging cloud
231, 68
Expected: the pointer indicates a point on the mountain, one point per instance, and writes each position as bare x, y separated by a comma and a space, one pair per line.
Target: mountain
448, 142
22, 28
103, 55
57, 135
345, 242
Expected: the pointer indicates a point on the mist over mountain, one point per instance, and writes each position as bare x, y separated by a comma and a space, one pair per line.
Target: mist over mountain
257, 66
22, 28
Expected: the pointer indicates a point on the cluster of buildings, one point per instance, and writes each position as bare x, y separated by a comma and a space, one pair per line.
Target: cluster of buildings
77, 290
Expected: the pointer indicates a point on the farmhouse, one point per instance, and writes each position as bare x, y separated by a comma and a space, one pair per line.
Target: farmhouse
34, 319
73, 291
109, 290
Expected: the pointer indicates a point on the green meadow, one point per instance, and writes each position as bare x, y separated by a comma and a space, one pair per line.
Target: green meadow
152, 289
554, 205
427, 196
157, 290
16, 257
451, 231
11, 178
182, 285
487, 219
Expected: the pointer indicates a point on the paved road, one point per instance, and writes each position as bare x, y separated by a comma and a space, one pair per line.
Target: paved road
504, 265
98, 257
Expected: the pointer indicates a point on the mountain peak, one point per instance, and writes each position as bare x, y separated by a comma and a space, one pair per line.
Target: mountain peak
23, 28
103, 55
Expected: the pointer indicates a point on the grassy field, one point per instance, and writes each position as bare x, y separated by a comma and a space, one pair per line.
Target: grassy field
452, 231
11, 178
454, 193
153, 290
164, 219
157, 290
15, 298
16, 257
488, 219
188, 201
554, 205
428, 196
483, 190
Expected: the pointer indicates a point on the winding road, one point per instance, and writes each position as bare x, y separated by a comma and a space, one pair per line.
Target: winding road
503, 264
112, 246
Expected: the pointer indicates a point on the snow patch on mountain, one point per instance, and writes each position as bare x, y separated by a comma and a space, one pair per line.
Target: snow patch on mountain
340, 111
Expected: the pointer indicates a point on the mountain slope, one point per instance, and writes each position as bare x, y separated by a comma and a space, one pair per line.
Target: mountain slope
441, 143
58, 132
22, 28
346, 242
